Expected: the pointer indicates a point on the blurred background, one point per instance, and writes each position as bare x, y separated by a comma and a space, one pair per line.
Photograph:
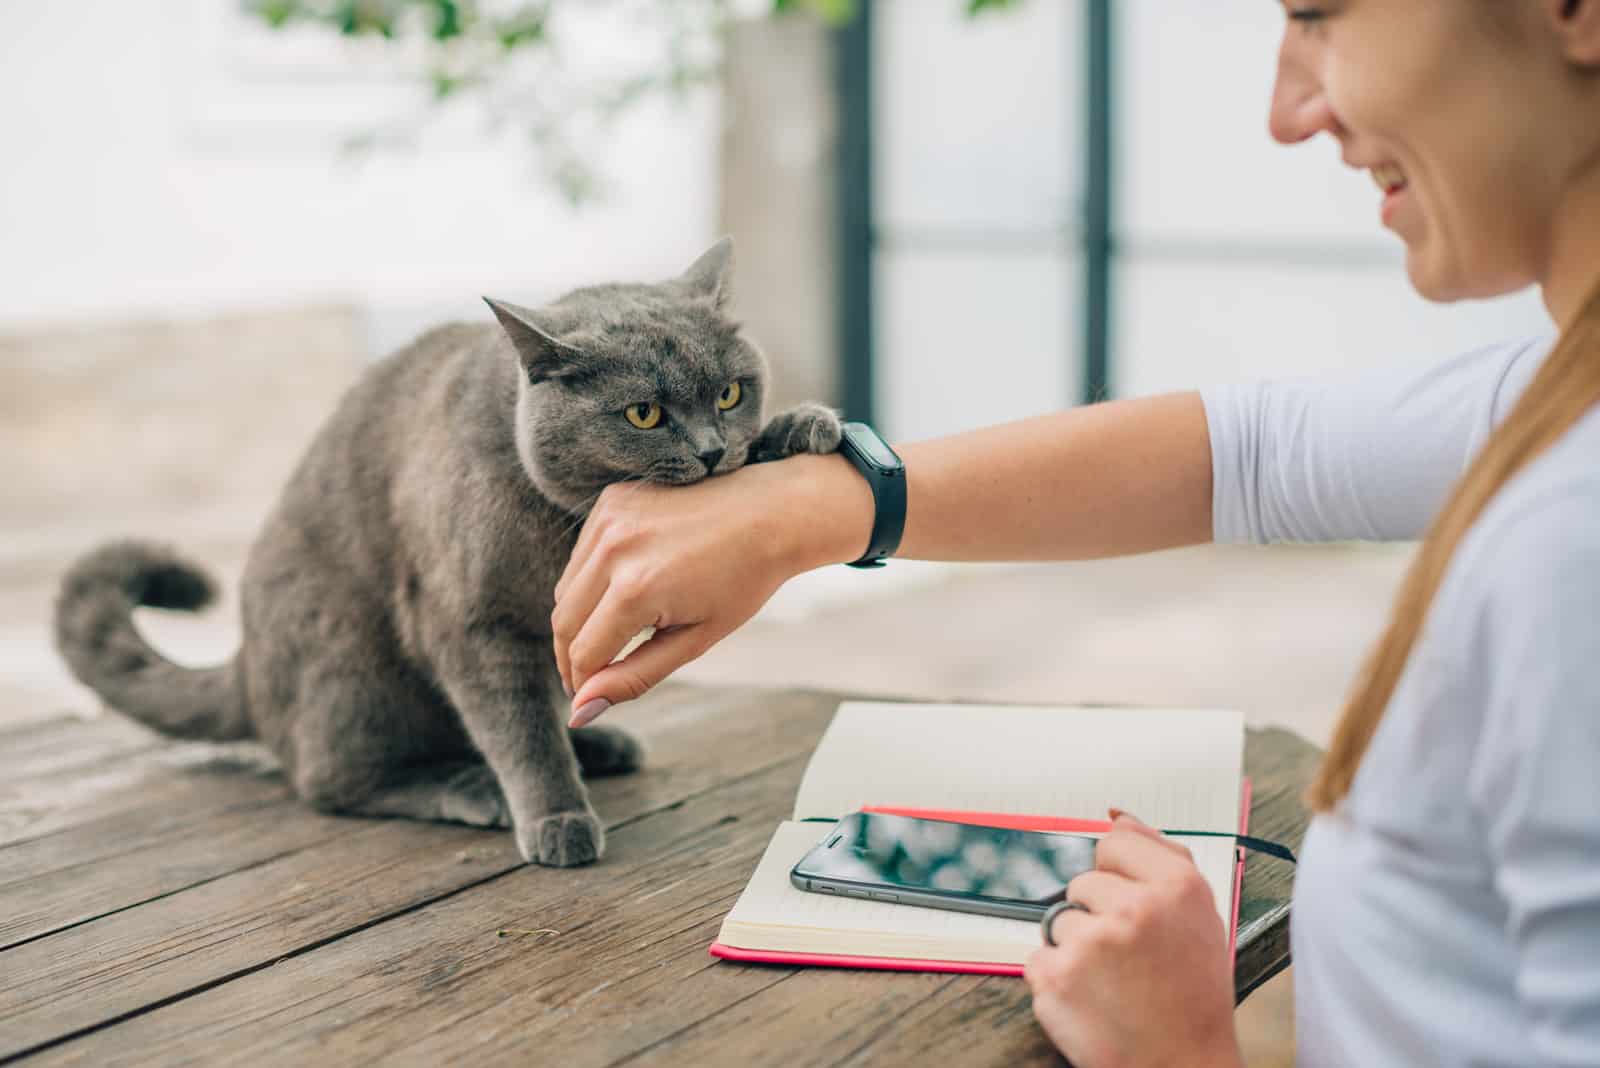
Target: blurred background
215, 213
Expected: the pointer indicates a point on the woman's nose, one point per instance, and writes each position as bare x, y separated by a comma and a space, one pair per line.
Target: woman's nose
1300, 108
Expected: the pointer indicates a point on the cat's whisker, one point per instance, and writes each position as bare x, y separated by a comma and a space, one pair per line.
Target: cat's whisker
578, 517
588, 502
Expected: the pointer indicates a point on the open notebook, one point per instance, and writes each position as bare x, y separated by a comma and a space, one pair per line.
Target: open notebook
1061, 767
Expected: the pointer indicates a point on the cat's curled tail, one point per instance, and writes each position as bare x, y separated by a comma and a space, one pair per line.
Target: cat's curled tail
96, 636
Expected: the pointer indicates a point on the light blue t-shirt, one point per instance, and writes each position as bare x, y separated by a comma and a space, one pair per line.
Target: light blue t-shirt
1448, 912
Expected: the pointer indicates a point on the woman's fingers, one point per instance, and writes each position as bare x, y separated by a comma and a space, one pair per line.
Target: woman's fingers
643, 668
622, 613
1099, 891
1129, 822
1139, 855
583, 593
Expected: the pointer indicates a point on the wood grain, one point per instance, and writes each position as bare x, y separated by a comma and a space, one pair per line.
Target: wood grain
1280, 764
628, 968
129, 861
186, 907
153, 776
76, 979
56, 745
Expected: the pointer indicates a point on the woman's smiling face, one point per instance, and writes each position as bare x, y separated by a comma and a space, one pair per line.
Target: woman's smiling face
1463, 113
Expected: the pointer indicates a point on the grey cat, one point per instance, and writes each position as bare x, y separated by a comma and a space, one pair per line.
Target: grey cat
396, 652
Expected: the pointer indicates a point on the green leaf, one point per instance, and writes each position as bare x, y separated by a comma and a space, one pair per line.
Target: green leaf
524, 27
445, 83
447, 24
276, 13
356, 17
832, 12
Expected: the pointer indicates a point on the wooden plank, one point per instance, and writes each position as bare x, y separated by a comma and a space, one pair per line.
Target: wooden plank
975, 1021
141, 824
163, 774
39, 758
833, 1017
67, 982
1280, 764
629, 967
55, 745
185, 850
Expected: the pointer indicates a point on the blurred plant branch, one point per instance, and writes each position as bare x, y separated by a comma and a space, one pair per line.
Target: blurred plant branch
512, 58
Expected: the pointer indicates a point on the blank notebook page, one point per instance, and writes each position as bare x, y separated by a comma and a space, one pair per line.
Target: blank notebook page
1173, 769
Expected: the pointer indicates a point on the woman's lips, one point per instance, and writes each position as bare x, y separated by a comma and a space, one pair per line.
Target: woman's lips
1389, 178
1391, 204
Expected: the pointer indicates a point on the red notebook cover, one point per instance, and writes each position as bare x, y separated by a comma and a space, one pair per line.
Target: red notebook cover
988, 819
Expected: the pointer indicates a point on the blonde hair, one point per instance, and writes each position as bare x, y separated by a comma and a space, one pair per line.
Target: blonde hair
1564, 389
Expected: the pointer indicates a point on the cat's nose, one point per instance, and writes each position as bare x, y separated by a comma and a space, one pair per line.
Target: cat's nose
712, 457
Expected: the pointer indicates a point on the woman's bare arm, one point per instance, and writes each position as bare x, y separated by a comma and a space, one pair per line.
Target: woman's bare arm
1106, 480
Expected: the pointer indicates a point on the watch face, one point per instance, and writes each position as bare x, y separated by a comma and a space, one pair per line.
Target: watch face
865, 439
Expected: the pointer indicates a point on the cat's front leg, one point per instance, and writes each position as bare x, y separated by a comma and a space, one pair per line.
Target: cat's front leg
502, 681
804, 428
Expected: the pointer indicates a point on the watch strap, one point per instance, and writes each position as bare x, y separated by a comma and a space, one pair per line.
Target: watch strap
888, 485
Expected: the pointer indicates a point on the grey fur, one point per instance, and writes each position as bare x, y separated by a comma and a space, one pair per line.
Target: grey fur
396, 606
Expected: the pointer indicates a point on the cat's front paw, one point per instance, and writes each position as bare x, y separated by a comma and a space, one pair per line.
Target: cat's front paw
804, 428
562, 839
606, 750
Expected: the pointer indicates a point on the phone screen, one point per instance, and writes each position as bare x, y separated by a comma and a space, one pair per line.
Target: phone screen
951, 860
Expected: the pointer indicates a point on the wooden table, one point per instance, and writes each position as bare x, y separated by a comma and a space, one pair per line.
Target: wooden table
163, 902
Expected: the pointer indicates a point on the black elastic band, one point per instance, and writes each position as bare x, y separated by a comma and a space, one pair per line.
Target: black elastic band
1256, 845
1246, 841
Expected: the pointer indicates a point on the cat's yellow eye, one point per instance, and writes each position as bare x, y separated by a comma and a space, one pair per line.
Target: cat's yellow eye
730, 396
645, 416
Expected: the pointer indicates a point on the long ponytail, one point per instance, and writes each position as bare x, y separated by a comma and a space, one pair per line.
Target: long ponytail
1566, 386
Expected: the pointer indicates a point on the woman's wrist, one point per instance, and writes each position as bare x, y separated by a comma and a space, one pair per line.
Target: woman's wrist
828, 512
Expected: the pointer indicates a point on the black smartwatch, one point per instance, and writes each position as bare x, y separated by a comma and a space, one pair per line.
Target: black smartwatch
886, 474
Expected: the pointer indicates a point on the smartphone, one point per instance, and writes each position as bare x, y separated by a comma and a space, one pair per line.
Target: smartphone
944, 865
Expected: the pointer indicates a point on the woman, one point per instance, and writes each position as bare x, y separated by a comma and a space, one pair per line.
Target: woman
1447, 909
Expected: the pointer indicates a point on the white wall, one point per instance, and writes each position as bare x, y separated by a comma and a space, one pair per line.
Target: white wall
176, 158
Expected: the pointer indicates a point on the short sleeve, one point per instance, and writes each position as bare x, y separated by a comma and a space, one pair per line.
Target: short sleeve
1368, 456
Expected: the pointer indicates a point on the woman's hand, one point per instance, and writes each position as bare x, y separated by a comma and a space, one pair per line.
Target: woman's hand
1142, 977
694, 562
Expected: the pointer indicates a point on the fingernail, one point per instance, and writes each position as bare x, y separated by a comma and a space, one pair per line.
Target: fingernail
567, 686
1115, 812
590, 711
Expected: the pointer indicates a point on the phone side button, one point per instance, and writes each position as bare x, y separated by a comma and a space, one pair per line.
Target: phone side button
885, 897
858, 893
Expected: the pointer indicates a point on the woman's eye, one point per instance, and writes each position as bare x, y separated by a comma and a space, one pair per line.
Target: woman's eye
731, 393
1307, 15
645, 416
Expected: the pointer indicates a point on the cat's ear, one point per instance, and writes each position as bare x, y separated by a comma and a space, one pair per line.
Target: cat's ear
543, 356
709, 276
